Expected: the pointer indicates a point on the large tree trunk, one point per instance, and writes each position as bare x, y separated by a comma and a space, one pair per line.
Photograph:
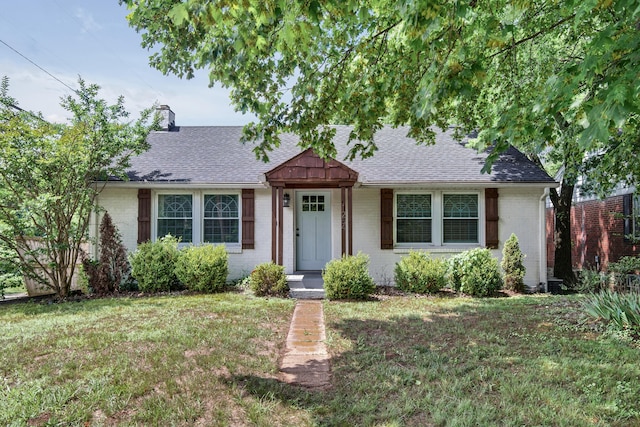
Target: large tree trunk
563, 266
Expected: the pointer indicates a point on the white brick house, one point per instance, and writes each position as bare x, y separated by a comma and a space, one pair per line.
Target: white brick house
203, 185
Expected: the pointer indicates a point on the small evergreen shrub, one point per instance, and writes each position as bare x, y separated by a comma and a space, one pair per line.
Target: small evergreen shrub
203, 268
420, 273
112, 271
454, 272
621, 311
513, 265
348, 278
268, 279
475, 272
153, 265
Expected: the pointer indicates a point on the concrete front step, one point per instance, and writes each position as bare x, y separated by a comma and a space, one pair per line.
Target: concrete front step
305, 285
302, 293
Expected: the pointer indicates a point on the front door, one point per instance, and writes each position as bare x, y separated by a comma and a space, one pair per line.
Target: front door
313, 230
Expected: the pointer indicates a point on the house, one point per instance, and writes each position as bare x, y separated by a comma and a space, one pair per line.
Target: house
602, 230
202, 185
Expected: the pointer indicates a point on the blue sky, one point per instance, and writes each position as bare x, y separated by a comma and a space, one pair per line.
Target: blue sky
92, 39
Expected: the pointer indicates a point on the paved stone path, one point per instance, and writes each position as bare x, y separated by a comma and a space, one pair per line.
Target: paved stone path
305, 361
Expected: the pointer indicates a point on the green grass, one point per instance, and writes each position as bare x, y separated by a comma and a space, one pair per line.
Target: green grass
165, 360
212, 360
14, 290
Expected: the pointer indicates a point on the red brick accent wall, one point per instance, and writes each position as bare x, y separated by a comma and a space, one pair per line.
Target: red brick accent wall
595, 231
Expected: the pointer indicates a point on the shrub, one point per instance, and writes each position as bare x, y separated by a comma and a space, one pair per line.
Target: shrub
625, 265
418, 272
203, 268
454, 272
512, 265
153, 265
475, 272
591, 281
268, 279
112, 270
621, 311
348, 278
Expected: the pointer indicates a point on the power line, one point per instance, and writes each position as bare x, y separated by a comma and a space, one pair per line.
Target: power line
32, 62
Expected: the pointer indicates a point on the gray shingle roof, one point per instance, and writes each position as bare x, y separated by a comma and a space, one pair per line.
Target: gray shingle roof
214, 155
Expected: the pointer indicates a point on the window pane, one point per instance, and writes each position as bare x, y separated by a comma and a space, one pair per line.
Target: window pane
460, 231
313, 204
175, 216
413, 231
175, 206
180, 228
460, 205
414, 206
220, 206
221, 231
221, 218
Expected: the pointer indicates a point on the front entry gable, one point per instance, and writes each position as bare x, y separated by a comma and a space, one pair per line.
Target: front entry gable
307, 169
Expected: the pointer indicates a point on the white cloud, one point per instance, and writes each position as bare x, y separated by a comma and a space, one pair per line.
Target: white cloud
88, 23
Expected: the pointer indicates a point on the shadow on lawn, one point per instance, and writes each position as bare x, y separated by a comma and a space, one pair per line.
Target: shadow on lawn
449, 368
382, 378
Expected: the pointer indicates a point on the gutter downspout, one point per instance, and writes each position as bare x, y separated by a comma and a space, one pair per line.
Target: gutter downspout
543, 240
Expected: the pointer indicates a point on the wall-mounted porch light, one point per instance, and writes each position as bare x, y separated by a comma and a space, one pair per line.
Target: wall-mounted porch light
286, 199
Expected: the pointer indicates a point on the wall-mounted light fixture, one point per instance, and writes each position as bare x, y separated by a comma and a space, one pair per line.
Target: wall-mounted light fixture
286, 199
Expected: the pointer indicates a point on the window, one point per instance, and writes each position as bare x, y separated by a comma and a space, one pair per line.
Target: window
635, 218
460, 218
175, 216
221, 219
413, 218
200, 217
312, 203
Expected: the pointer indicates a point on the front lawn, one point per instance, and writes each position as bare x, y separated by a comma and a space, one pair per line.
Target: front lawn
212, 360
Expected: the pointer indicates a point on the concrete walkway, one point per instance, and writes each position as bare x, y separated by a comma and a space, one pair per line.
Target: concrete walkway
305, 361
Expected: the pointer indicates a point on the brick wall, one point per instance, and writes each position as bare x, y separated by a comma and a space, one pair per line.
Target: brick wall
596, 230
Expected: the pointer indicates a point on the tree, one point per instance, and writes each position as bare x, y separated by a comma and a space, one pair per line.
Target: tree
544, 76
48, 175
112, 269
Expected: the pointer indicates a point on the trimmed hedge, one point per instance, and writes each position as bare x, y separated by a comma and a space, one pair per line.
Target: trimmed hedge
153, 265
203, 268
474, 272
268, 279
420, 273
348, 278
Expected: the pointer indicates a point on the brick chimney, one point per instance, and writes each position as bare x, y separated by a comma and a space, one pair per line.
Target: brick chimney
168, 121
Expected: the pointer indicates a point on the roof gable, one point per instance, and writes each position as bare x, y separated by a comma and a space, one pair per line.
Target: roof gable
307, 168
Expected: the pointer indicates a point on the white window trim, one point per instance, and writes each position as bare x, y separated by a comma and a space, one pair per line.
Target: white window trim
437, 222
395, 220
238, 195
198, 216
480, 215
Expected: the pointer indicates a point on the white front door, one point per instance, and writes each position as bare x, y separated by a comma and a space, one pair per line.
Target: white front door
313, 229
